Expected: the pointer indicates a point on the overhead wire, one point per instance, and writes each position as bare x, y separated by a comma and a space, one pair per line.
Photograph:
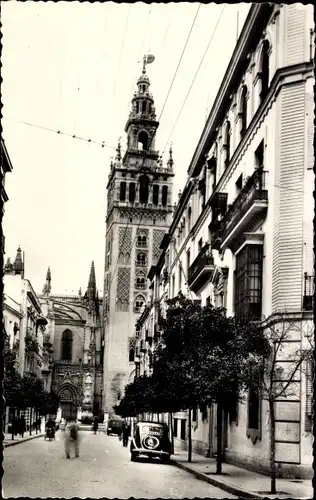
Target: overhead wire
121, 51
196, 73
139, 58
59, 132
150, 142
181, 57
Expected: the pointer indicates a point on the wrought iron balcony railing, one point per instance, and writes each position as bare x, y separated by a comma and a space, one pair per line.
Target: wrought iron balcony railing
251, 201
309, 290
201, 268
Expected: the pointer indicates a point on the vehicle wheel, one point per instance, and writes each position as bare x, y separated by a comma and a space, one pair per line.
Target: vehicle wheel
165, 459
133, 457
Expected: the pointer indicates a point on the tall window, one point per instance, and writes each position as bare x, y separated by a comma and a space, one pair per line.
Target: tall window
139, 302
142, 241
265, 70
189, 218
122, 191
164, 195
132, 190
188, 261
227, 143
140, 282
155, 194
141, 259
243, 110
66, 345
259, 155
180, 277
143, 188
173, 285
131, 356
248, 283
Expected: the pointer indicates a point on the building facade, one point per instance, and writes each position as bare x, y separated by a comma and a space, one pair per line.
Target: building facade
242, 233
139, 211
6, 167
74, 332
25, 325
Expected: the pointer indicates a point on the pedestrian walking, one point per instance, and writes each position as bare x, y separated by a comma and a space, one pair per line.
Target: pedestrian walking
71, 438
95, 424
126, 434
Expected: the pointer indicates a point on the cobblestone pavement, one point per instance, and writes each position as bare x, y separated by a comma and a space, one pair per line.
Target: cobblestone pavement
38, 468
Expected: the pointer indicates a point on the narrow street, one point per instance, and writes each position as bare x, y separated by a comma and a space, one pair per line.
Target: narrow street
38, 468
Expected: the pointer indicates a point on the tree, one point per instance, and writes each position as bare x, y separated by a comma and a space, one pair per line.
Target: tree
279, 373
204, 359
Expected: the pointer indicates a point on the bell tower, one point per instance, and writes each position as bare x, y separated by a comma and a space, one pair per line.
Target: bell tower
139, 212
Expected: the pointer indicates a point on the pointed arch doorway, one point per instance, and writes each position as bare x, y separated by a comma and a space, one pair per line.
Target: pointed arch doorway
68, 401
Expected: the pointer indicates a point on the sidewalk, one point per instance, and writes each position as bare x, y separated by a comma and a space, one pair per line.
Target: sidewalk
8, 441
241, 482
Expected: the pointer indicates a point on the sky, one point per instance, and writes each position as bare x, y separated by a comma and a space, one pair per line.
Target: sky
72, 67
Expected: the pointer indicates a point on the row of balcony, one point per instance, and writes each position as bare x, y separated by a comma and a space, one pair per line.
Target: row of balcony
251, 203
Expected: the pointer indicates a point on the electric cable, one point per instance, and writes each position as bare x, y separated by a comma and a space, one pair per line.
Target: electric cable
192, 83
181, 57
139, 58
121, 51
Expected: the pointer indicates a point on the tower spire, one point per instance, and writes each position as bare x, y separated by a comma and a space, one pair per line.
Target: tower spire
91, 290
47, 287
118, 150
18, 264
170, 161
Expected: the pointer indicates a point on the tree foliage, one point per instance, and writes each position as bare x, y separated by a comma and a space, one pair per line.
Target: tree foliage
203, 358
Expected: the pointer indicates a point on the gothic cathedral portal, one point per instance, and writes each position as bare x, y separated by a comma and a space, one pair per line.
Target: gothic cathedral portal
139, 212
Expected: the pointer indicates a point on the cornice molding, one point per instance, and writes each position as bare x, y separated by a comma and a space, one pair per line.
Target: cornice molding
254, 13
277, 83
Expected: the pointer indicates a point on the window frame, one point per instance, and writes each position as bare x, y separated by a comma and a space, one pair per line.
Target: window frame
248, 269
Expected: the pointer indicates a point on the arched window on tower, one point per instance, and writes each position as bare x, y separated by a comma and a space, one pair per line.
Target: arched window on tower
144, 105
131, 356
143, 188
155, 194
141, 260
137, 106
164, 195
227, 144
142, 240
265, 69
143, 141
138, 304
243, 110
122, 191
150, 108
140, 283
66, 345
131, 193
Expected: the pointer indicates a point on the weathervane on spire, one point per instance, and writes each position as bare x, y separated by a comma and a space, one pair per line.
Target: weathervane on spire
147, 59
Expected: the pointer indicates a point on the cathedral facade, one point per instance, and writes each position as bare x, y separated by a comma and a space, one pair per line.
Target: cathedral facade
139, 212
75, 330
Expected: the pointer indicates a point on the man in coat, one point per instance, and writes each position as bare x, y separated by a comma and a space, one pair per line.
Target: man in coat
71, 438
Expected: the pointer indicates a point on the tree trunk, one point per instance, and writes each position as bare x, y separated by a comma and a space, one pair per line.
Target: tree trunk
171, 433
219, 457
190, 438
272, 448
31, 411
13, 424
36, 418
